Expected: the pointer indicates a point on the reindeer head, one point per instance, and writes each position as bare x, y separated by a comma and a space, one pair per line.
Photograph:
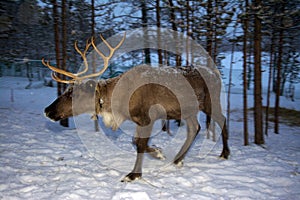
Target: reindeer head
80, 96
77, 99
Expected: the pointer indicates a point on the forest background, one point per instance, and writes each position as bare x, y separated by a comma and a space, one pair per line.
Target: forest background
266, 32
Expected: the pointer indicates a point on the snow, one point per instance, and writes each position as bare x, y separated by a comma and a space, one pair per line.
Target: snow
41, 160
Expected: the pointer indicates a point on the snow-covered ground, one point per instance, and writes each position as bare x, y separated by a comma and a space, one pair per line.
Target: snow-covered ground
41, 160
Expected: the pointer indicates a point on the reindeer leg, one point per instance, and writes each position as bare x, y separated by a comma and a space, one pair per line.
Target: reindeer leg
153, 151
221, 120
208, 120
141, 141
193, 129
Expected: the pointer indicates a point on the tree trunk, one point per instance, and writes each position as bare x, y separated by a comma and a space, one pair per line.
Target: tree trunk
187, 16
60, 86
174, 28
269, 82
278, 83
215, 32
209, 44
250, 61
230, 82
64, 122
258, 125
245, 84
165, 123
93, 25
159, 50
209, 27
144, 25
275, 57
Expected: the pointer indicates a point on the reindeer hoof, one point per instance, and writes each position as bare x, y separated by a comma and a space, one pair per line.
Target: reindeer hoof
157, 153
132, 177
178, 163
225, 153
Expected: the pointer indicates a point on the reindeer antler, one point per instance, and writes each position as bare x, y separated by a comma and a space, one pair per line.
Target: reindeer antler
77, 76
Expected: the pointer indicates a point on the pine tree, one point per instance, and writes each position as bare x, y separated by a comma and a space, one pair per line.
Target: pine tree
258, 125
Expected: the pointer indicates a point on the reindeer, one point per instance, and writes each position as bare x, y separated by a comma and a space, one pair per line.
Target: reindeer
143, 95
